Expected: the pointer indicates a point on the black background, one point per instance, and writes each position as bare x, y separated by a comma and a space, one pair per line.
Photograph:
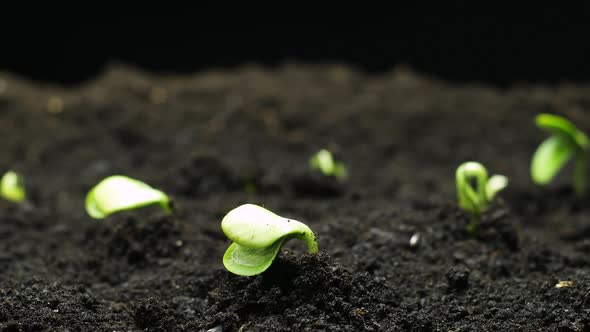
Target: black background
546, 45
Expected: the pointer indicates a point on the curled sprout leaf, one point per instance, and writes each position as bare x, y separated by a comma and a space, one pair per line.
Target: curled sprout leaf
471, 199
12, 187
566, 142
558, 125
550, 157
120, 193
325, 163
477, 199
258, 235
495, 184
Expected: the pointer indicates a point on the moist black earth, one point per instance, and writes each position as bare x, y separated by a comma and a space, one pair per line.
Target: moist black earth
218, 139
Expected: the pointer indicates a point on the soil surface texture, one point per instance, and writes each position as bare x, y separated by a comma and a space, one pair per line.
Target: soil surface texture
219, 139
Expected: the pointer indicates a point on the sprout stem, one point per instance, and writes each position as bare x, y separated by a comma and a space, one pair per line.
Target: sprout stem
580, 173
472, 226
310, 240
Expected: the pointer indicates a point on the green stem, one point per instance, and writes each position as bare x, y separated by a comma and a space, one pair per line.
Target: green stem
310, 240
472, 225
580, 173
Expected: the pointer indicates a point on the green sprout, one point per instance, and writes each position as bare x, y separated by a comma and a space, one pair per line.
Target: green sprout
120, 193
12, 187
324, 162
475, 190
258, 236
566, 142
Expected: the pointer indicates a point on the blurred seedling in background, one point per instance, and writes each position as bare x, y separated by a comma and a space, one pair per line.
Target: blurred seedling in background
324, 162
566, 142
12, 187
120, 193
476, 191
258, 235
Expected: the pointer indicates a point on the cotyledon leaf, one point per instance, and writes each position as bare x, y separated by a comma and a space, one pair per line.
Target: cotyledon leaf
550, 157
254, 227
495, 184
561, 126
118, 193
247, 261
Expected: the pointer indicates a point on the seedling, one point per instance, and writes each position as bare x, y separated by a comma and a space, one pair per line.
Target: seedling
258, 236
120, 193
566, 142
475, 190
325, 163
12, 187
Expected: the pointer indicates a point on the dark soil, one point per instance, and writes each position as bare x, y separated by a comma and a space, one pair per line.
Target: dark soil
216, 140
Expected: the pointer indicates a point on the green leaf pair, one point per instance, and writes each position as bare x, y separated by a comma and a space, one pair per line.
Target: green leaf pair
476, 199
566, 142
258, 236
120, 193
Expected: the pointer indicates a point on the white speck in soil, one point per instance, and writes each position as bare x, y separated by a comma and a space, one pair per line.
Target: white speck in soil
414, 240
564, 284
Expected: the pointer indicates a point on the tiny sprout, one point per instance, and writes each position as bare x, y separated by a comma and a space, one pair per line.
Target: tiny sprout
476, 199
324, 162
257, 236
566, 142
120, 193
12, 187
